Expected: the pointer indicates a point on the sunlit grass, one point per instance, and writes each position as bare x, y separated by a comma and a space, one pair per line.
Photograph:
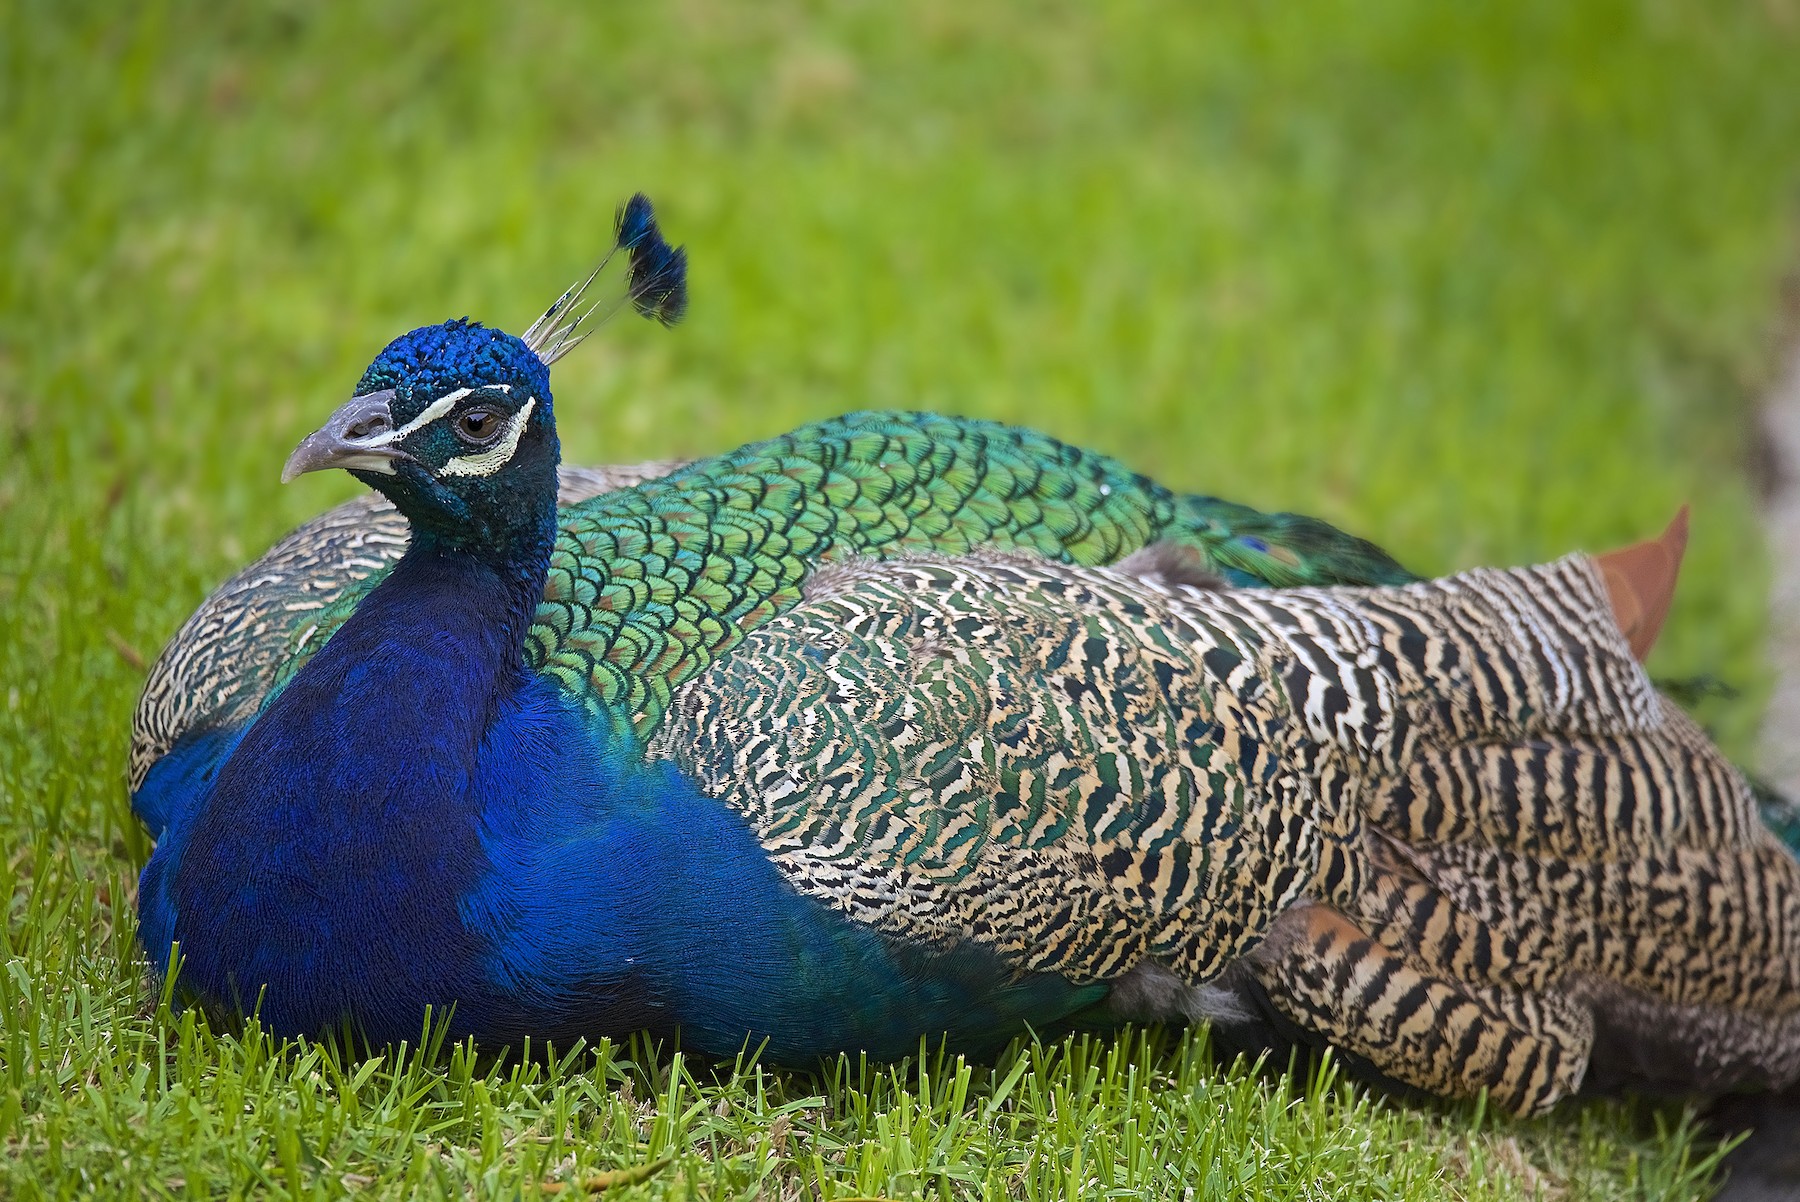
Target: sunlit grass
1484, 284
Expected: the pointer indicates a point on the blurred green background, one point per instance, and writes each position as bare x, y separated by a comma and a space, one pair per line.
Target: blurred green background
1483, 283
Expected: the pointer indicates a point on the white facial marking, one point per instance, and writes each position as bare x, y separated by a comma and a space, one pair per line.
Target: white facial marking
431, 413
381, 465
494, 458
428, 415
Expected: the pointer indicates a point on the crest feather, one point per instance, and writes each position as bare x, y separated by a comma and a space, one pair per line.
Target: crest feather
655, 284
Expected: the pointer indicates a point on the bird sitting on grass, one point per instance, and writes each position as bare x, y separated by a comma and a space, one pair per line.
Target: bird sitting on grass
904, 726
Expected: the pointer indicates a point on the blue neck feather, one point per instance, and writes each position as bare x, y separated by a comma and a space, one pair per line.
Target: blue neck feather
339, 835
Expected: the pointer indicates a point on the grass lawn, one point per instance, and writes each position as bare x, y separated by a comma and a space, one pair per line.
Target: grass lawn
1484, 289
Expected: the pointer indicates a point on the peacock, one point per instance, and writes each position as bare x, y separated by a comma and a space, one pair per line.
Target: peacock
902, 725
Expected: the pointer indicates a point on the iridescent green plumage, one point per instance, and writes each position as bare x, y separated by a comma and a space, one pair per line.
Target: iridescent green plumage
649, 585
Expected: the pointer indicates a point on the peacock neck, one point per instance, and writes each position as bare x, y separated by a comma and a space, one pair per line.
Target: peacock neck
419, 673
481, 578
443, 595
347, 823
416, 676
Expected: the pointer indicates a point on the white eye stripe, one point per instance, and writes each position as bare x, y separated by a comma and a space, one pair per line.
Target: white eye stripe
494, 458
428, 415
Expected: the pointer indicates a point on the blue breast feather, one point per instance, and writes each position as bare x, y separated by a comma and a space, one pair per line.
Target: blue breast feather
547, 881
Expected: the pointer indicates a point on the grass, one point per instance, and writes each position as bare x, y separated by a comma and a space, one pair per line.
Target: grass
1485, 286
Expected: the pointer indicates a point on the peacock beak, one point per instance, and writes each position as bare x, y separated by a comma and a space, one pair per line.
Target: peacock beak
359, 435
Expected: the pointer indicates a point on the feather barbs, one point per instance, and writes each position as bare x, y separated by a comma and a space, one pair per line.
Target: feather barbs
655, 284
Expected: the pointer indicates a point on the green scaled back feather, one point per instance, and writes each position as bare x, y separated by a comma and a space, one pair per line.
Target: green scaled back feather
649, 585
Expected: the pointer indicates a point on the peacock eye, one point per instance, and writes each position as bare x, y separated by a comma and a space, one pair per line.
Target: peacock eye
477, 426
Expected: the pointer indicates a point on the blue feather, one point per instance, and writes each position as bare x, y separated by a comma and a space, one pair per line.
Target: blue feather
185, 772
656, 279
634, 221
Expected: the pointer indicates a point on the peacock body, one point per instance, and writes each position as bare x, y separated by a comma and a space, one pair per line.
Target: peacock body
903, 725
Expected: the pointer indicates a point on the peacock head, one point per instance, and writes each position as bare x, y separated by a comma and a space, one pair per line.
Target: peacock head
453, 423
